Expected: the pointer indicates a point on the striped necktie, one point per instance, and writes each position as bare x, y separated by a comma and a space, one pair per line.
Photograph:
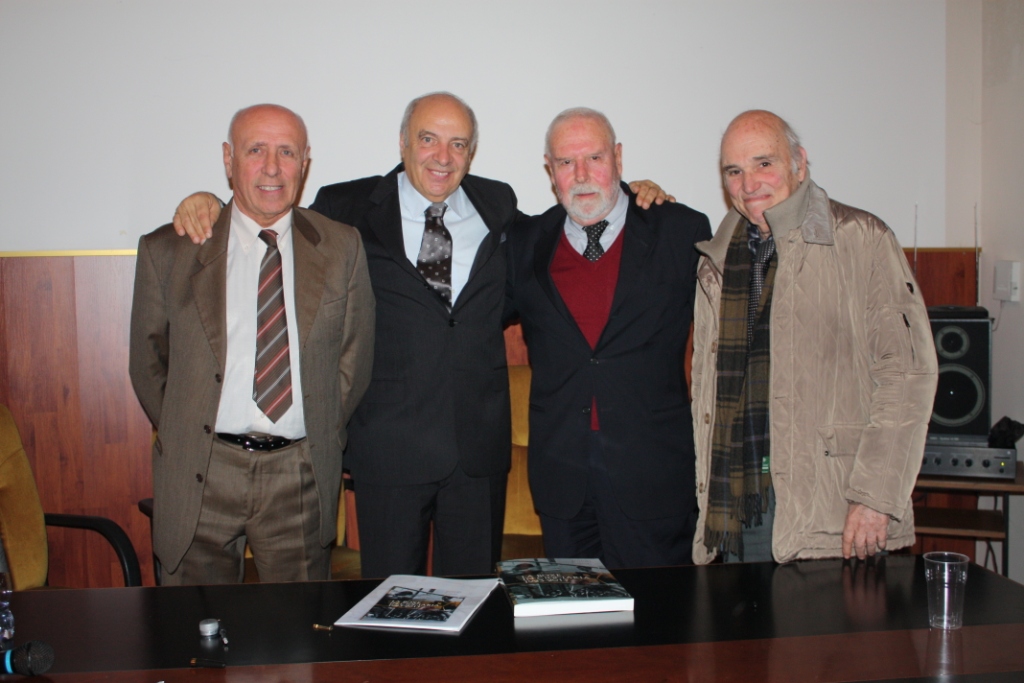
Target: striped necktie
272, 383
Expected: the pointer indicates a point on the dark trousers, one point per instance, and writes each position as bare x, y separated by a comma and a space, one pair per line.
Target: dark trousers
600, 529
394, 525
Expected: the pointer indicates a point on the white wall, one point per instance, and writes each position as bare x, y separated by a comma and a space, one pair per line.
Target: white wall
111, 111
1002, 176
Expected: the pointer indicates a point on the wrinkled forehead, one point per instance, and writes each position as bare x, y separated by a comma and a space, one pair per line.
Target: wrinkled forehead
748, 142
580, 133
269, 126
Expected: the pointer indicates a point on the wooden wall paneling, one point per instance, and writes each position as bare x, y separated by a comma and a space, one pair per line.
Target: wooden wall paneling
116, 432
5, 381
43, 389
947, 277
65, 350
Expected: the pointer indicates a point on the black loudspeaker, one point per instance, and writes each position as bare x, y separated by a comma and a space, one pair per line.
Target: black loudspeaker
963, 342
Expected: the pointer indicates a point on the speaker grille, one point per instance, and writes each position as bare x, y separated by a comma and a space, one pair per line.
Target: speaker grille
962, 401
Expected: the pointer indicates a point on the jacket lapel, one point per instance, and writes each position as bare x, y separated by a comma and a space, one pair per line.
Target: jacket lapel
309, 267
637, 240
209, 285
496, 233
543, 255
385, 221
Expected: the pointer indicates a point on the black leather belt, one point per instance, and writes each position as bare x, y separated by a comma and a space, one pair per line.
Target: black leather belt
257, 442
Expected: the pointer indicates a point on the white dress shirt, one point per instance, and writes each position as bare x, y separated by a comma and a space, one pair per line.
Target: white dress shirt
616, 221
466, 226
238, 412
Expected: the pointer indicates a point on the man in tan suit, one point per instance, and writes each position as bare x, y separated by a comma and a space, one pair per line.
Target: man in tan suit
249, 354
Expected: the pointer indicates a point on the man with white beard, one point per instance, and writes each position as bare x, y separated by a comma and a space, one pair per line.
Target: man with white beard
605, 293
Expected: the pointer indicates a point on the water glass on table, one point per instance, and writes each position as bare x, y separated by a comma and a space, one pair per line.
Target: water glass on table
6, 616
946, 576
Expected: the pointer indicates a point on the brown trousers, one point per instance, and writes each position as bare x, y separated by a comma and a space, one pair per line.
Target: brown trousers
268, 500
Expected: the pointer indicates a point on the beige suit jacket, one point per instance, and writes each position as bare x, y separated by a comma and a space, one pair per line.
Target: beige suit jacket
179, 347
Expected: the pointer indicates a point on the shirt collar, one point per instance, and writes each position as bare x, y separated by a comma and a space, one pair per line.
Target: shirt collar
248, 231
414, 204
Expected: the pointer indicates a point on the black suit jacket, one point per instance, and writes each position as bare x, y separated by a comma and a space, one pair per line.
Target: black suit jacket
439, 389
636, 371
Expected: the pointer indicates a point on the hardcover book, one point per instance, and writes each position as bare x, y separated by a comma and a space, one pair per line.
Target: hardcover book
542, 587
419, 602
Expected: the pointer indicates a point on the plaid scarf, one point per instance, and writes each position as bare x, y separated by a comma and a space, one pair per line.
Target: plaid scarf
738, 491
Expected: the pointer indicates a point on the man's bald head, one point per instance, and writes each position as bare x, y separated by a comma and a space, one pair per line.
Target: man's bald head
762, 164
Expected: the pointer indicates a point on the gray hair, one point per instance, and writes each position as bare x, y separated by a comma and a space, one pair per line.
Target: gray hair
242, 112
407, 116
578, 113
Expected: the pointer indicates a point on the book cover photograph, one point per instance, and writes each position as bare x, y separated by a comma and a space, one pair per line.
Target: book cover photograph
412, 604
419, 602
542, 587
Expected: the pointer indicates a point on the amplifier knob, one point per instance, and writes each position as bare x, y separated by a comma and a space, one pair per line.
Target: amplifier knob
985, 463
969, 462
956, 461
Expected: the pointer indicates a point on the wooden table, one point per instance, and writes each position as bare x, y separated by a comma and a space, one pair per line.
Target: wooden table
991, 525
822, 621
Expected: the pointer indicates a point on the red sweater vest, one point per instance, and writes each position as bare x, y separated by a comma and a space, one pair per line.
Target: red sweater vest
587, 288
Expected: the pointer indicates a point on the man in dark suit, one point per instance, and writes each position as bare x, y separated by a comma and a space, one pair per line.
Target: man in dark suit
605, 294
249, 354
430, 442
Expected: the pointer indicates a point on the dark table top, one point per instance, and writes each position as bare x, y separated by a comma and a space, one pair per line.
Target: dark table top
681, 614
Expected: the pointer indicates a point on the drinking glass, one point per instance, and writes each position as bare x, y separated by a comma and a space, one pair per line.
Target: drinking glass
6, 616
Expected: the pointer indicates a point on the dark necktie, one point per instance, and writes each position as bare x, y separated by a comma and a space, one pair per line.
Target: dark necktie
594, 249
435, 258
272, 383
758, 266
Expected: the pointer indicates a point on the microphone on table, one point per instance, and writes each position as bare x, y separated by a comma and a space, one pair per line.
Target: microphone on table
29, 659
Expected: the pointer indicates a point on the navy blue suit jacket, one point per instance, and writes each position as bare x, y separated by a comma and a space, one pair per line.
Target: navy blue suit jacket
635, 372
438, 395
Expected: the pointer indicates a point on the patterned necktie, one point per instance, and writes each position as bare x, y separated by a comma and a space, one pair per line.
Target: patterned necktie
594, 249
272, 383
758, 266
435, 258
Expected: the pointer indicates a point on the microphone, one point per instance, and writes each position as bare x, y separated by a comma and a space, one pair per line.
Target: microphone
28, 659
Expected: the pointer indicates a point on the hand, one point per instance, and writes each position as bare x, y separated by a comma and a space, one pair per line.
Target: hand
864, 532
649, 192
196, 215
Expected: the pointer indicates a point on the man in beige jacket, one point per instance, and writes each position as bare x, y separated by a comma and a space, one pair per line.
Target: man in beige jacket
814, 369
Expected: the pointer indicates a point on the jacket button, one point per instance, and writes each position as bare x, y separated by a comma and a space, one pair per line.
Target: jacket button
207, 429
586, 411
594, 361
452, 322
199, 478
714, 346
218, 378
707, 418
700, 489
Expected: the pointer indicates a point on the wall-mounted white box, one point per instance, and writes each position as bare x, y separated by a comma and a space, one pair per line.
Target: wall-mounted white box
1006, 283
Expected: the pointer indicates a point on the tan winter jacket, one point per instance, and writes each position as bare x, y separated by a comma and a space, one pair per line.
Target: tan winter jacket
853, 373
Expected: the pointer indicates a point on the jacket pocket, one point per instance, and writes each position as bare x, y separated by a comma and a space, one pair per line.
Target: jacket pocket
915, 340
840, 439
